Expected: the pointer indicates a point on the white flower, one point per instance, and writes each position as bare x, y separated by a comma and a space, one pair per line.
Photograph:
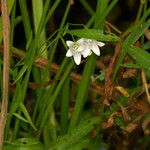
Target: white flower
90, 45
75, 50
83, 47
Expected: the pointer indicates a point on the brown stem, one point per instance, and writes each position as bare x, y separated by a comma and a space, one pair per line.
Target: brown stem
43, 63
108, 81
6, 41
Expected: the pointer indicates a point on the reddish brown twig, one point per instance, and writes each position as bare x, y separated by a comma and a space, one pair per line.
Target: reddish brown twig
108, 82
43, 63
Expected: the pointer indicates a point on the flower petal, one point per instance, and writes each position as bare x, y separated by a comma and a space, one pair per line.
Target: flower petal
69, 43
81, 41
77, 58
95, 49
100, 44
86, 52
81, 48
69, 53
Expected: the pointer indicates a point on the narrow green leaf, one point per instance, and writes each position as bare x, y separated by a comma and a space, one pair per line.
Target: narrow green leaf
131, 65
55, 94
20, 117
29, 41
93, 34
27, 143
140, 56
26, 19
76, 134
83, 90
146, 46
87, 6
130, 40
25, 112
100, 9
21, 73
65, 106
83, 144
109, 8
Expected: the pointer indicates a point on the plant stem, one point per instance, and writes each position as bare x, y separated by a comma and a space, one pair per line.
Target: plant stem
6, 41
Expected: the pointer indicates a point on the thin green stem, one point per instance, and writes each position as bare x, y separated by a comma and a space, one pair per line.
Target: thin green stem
88, 70
52, 55
26, 20
54, 96
65, 106
139, 12
87, 7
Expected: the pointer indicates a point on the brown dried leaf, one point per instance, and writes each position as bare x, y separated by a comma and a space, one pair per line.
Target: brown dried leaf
131, 127
129, 73
125, 113
146, 125
110, 121
147, 34
123, 91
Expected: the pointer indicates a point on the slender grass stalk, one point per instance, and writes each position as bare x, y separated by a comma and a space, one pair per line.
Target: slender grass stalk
32, 50
49, 93
88, 70
38, 75
5, 95
92, 13
137, 31
10, 5
52, 55
40, 27
54, 96
12, 26
83, 90
28, 35
14, 106
139, 11
59, 32
87, 6
1, 77
37, 7
26, 20
65, 106
109, 8
31, 55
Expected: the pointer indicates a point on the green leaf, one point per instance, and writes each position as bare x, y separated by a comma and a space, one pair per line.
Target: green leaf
146, 46
25, 112
141, 56
20, 117
29, 41
83, 144
93, 34
25, 144
21, 73
83, 91
131, 65
130, 40
76, 134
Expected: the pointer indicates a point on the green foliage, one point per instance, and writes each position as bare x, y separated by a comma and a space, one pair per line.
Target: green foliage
25, 144
140, 56
75, 135
93, 34
56, 101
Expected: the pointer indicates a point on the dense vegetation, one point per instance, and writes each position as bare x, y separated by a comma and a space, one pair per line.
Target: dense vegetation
50, 102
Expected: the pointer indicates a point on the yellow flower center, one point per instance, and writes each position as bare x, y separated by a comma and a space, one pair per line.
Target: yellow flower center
75, 47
